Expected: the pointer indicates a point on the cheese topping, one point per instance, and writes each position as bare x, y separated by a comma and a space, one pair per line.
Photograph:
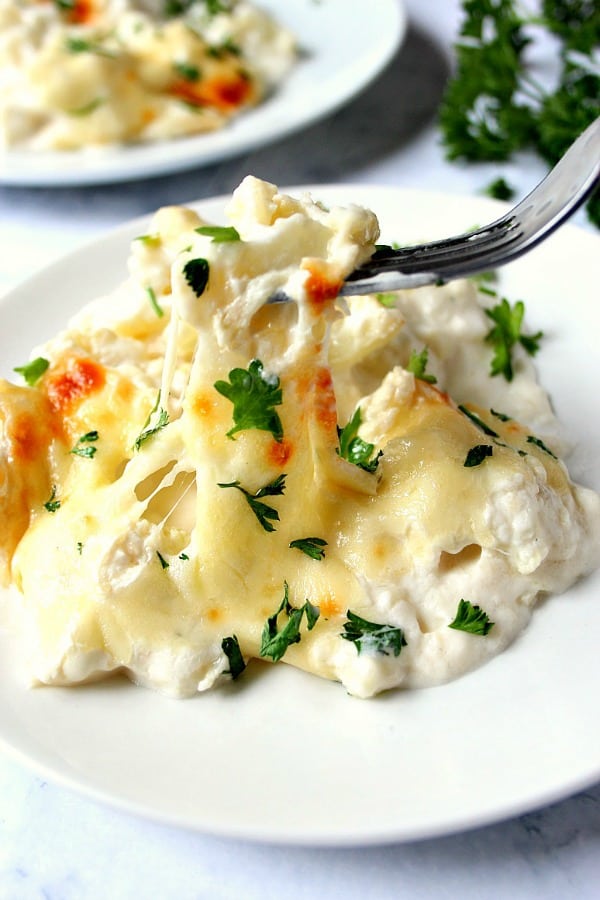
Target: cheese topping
77, 73
200, 478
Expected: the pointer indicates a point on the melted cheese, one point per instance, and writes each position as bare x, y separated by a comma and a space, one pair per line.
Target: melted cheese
104, 71
154, 554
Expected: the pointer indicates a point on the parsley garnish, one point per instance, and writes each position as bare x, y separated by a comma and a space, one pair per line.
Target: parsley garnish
477, 421
354, 449
539, 443
493, 107
506, 333
373, 637
499, 189
82, 447
417, 365
52, 504
312, 546
163, 562
477, 454
183, 556
220, 234
387, 299
154, 303
33, 371
196, 274
254, 395
274, 643
471, 618
500, 415
231, 648
80, 547
187, 71
80, 45
264, 513
147, 433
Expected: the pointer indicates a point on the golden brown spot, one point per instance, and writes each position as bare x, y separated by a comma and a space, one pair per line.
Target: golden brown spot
148, 115
27, 439
325, 405
319, 286
81, 378
224, 92
203, 405
329, 606
213, 614
279, 452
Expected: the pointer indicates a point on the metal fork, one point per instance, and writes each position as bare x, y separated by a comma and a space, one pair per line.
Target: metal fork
540, 213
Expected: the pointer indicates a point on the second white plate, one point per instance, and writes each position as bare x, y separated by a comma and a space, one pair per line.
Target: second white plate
342, 51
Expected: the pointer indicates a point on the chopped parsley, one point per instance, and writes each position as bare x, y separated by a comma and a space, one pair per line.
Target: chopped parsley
506, 333
187, 71
417, 364
163, 562
494, 107
538, 442
254, 395
499, 189
471, 618
231, 648
274, 643
477, 454
80, 547
373, 637
183, 556
265, 514
353, 449
387, 299
52, 504
150, 431
83, 448
477, 421
220, 234
311, 546
80, 45
33, 371
196, 273
500, 415
154, 303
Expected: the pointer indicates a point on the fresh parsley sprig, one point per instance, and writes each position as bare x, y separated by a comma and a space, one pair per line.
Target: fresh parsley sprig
373, 637
471, 618
150, 430
311, 546
264, 513
274, 643
231, 648
506, 333
33, 371
493, 107
353, 448
254, 394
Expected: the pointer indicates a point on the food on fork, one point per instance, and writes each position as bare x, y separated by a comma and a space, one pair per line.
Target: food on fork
370, 490
87, 73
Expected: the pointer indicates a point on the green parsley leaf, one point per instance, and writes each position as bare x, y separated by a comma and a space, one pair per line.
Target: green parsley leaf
154, 303
254, 395
33, 371
187, 71
183, 556
499, 189
354, 449
220, 234
506, 333
388, 300
538, 442
231, 648
163, 562
80, 45
500, 415
264, 513
79, 547
472, 619
52, 504
477, 421
417, 365
196, 273
311, 546
372, 637
82, 447
274, 643
477, 454
147, 433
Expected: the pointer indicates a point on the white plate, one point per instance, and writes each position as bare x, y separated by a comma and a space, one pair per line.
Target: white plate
342, 51
282, 756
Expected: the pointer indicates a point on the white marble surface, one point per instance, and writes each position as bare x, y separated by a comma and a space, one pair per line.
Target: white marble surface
57, 845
